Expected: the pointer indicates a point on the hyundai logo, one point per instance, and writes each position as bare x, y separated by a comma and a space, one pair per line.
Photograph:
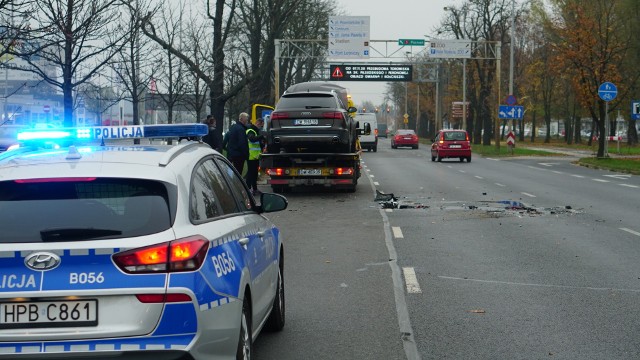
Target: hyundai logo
42, 261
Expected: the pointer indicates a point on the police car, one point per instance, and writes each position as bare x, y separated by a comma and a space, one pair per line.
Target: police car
116, 250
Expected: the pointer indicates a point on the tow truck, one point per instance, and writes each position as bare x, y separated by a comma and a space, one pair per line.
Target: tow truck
304, 165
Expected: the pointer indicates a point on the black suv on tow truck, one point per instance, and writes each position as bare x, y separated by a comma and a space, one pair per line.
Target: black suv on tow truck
312, 117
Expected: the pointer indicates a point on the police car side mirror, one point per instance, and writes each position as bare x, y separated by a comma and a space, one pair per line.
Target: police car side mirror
352, 109
270, 202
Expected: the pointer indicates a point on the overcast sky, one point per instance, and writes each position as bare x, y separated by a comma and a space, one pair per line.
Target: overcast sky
393, 20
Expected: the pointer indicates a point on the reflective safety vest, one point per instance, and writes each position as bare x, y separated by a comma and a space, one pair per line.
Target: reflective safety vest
254, 147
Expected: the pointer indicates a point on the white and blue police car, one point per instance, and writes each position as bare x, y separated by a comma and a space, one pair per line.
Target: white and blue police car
118, 250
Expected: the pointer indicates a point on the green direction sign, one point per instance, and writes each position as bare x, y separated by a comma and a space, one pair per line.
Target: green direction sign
411, 42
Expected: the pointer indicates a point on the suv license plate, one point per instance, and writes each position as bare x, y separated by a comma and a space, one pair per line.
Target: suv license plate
455, 146
305, 122
48, 314
309, 172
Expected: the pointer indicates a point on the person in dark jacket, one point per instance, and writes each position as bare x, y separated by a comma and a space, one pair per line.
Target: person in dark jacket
235, 142
213, 138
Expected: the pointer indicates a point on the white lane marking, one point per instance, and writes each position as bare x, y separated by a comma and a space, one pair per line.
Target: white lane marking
479, 177
500, 184
397, 232
578, 176
629, 185
537, 168
548, 164
462, 171
529, 195
538, 285
619, 176
371, 176
601, 180
557, 172
411, 281
630, 231
376, 183
494, 159
388, 210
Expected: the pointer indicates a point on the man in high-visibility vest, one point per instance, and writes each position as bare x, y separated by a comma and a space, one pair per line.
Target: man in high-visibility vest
255, 140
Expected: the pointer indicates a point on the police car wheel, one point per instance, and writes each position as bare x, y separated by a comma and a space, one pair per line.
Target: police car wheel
244, 342
277, 316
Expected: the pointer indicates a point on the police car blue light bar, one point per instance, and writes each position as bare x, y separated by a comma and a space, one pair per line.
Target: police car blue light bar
117, 132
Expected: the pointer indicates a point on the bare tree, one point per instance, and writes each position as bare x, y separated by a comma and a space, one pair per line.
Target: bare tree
132, 68
72, 40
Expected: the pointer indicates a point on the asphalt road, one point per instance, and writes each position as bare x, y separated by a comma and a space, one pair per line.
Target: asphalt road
527, 258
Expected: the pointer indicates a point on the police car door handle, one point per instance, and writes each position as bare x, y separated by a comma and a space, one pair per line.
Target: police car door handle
244, 241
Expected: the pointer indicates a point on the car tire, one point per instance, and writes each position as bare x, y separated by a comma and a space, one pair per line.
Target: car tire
439, 158
461, 158
277, 317
244, 341
469, 159
375, 148
433, 158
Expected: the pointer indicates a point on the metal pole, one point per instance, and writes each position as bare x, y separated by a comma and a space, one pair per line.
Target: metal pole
606, 129
437, 120
464, 94
513, 31
497, 122
277, 71
406, 98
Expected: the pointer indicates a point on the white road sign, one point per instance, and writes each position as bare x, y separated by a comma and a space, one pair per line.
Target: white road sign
349, 37
450, 49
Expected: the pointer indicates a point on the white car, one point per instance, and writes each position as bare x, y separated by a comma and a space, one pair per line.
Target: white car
133, 251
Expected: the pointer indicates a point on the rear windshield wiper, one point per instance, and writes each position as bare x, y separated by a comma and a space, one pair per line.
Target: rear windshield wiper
75, 234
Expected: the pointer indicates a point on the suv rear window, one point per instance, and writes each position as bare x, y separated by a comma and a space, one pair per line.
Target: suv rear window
455, 135
81, 209
306, 101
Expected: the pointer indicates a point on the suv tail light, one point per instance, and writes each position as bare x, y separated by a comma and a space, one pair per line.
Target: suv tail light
174, 256
332, 115
375, 132
279, 115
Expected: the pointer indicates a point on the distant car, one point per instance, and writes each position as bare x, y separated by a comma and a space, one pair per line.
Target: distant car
383, 130
405, 137
125, 251
9, 136
451, 144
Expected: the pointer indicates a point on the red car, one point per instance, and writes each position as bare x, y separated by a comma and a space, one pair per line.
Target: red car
405, 137
451, 144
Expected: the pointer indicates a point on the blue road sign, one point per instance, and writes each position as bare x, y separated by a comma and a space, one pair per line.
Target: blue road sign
635, 109
510, 112
511, 100
607, 91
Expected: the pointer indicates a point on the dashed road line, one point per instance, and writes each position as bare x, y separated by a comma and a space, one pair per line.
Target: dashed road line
630, 231
557, 172
629, 185
411, 281
527, 194
601, 180
479, 177
376, 183
578, 176
397, 232
502, 185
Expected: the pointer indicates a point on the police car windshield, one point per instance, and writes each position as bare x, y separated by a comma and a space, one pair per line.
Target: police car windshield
49, 210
